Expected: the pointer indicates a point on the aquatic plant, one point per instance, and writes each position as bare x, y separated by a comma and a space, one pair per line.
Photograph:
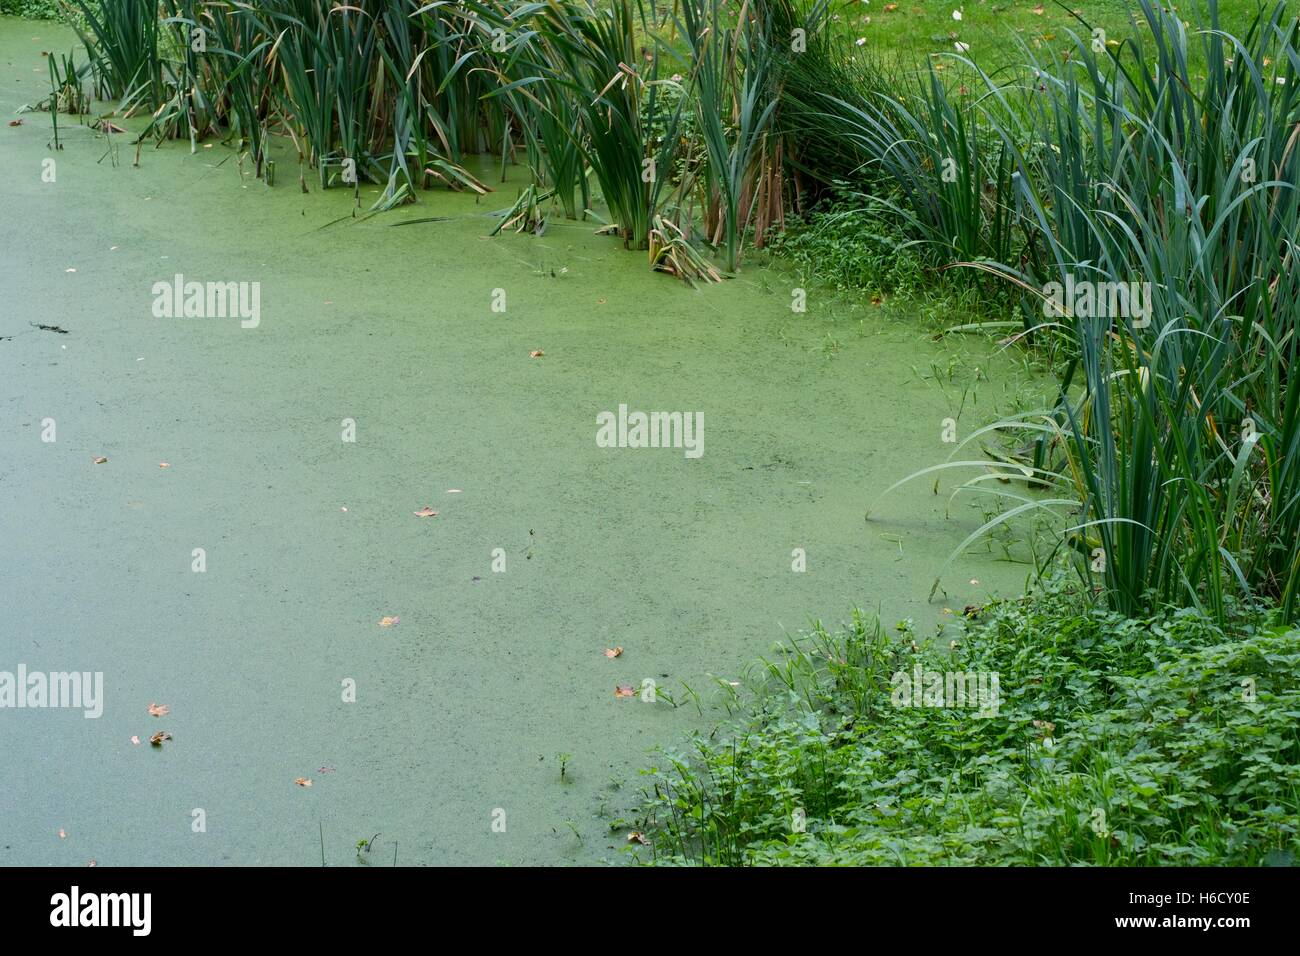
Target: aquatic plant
1172, 451
122, 39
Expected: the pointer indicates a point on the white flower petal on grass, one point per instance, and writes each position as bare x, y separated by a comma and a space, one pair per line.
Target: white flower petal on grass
956, 14
961, 47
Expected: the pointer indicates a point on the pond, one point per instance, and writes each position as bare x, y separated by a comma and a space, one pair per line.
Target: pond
259, 510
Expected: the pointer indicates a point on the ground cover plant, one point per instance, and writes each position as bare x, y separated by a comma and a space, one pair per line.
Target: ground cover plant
1116, 741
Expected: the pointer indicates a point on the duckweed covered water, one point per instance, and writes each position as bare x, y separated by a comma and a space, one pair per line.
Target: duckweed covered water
464, 707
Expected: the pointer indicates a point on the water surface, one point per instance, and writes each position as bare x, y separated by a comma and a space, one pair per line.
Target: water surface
464, 705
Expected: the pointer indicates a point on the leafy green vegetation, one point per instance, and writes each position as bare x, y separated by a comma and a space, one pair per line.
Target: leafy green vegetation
32, 9
1116, 741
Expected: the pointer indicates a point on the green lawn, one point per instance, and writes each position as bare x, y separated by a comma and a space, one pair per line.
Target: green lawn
907, 31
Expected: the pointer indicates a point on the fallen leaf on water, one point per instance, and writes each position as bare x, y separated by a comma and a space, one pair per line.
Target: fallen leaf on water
624, 690
453, 491
164, 464
303, 782
135, 741
613, 652
101, 460
425, 512
636, 836
388, 621
536, 353
63, 834
158, 738
159, 710
16, 122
